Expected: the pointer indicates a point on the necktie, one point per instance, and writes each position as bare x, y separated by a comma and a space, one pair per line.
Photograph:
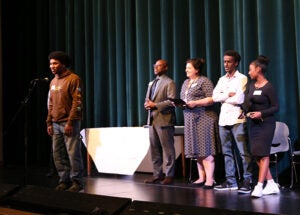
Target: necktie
152, 90
153, 87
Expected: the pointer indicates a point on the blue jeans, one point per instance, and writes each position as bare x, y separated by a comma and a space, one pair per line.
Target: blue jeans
230, 135
67, 153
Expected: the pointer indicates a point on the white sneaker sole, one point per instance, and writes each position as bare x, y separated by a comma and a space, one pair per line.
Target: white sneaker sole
271, 193
256, 196
225, 189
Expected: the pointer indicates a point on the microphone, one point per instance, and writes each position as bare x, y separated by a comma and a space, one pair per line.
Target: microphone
46, 79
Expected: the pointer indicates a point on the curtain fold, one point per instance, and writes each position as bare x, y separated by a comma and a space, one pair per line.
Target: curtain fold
114, 44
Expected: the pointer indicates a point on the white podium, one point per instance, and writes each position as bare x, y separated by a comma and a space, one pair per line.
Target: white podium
124, 150
117, 150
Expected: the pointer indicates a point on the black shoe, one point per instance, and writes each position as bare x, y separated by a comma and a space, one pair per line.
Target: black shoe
76, 187
168, 180
62, 186
245, 186
201, 184
208, 187
153, 180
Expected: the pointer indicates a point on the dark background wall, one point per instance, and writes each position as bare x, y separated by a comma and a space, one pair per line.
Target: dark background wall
114, 44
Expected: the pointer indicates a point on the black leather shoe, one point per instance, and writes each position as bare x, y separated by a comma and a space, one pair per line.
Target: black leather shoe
167, 180
153, 180
201, 184
208, 187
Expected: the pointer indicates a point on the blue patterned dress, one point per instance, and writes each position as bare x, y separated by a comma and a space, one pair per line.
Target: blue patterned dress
200, 123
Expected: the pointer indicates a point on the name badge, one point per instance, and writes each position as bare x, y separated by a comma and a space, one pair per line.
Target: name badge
194, 85
257, 92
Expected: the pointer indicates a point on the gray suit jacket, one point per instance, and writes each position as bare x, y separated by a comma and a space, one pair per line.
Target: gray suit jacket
164, 114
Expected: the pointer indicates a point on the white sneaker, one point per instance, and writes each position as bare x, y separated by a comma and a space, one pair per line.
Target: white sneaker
270, 188
257, 192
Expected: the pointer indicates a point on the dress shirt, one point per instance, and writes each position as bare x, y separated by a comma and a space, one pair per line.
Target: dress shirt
231, 106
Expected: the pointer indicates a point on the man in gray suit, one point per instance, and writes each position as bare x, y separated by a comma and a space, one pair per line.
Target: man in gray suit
161, 120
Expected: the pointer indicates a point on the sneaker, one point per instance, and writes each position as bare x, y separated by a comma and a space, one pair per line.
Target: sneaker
270, 188
226, 186
257, 192
76, 187
62, 186
245, 187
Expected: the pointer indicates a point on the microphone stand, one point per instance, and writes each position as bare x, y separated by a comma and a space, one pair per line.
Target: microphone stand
24, 105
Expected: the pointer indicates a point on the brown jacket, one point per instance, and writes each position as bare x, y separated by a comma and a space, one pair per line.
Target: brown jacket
65, 99
164, 114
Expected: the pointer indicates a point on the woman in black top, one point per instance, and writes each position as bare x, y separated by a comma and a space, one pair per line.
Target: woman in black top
262, 104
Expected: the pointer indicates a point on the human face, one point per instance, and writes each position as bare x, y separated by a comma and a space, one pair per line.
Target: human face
160, 67
191, 72
230, 64
253, 71
56, 66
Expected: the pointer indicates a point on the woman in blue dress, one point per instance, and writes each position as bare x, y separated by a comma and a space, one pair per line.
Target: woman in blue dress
200, 122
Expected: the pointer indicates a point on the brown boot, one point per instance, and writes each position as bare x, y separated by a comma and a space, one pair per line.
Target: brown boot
167, 180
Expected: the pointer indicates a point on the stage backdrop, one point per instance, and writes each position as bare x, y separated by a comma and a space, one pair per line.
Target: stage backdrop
114, 44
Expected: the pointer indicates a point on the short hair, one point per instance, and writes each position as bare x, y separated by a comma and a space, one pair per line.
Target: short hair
234, 54
61, 57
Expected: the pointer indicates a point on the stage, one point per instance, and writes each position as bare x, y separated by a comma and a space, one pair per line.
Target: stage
120, 194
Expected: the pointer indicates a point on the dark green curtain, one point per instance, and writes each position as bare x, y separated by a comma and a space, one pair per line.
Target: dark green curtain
114, 44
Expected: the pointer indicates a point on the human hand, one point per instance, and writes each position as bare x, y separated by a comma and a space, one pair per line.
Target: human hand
68, 130
242, 116
149, 104
254, 115
191, 104
230, 94
146, 104
50, 130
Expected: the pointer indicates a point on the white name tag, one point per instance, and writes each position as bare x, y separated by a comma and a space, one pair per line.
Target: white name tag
194, 85
257, 92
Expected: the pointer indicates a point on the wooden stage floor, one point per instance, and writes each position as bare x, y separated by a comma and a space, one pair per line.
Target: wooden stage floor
178, 196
